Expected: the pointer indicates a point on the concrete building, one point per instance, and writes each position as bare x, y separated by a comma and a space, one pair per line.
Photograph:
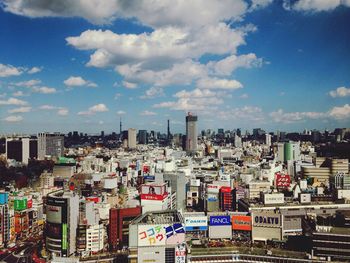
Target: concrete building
50, 144
62, 215
132, 138
143, 137
268, 139
21, 149
191, 133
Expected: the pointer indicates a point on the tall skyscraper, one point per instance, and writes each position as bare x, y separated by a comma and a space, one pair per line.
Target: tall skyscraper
142, 137
191, 132
21, 148
62, 215
131, 138
50, 144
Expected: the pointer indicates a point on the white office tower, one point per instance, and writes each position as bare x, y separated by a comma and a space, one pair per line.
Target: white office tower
238, 141
268, 139
280, 152
191, 133
132, 138
18, 149
50, 144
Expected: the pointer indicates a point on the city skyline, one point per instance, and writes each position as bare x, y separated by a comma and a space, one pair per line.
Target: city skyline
278, 65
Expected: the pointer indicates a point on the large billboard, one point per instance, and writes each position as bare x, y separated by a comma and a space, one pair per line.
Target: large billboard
266, 219
240, 222
282, 180
219, 220
153, 192
194, 223
54, 214
160, 235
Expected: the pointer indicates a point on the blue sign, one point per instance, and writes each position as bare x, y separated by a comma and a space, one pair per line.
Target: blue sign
149, 177
196, 228
220, 221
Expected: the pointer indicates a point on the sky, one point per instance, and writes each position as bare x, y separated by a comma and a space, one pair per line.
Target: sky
84, 65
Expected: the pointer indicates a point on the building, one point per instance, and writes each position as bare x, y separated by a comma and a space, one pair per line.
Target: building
132, 138
154, 197
21, 149
143, 137
268, 139
4, 219
50, 144
62, 216
157, 237
118, 229
191, 133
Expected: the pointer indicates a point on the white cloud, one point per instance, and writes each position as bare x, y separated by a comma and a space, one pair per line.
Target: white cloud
244, 96
153, 92
121, 112
77, 81
18, 94
34, 70
62, 111
129, 85
13, 118
340, 92
290, 117
215, 83
94, 109
340, 113
9, 70
314, 5
44, 90
148, 113
246, 113
13, 101
227, 65
28, 83
159, 13
20, 110
117, 96
258, 4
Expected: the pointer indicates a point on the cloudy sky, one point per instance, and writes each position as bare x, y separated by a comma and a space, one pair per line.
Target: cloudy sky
81, 65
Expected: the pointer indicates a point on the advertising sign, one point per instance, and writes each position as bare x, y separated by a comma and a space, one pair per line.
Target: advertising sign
54, 214
194, 223
282, 180
240, 222
213, 188
266, 219
160, 235
219, 220
180, 253
149, 177
153, 192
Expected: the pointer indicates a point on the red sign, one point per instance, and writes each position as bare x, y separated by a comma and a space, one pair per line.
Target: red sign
282, 180
30, 203
225, 189
153, 196
241, 222
146, 169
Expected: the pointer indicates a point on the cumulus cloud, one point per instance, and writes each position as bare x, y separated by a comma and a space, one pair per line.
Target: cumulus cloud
94, 109
153, 92
148, 113
44, 90
27, 83
62, 111
158, 14
215, 83
340, 92
121, 112
18, 94
246, 113
9, 70
77, 81
340, 113
129, 85
20, 110
34, 70
290, 117
258, 4
13, 118
314, 5
13, 101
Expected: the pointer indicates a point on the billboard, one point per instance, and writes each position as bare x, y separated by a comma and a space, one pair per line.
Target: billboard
180, 253
194, 223
266, 219
240, 222
20, 204
282, 180
160, 235
153, 192
54, 214
213, 188
219, 220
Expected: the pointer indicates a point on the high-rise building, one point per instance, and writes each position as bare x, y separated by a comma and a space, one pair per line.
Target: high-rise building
191, 132
62, 217
142, 137
21, 148
50, 144
268, 139
131, 138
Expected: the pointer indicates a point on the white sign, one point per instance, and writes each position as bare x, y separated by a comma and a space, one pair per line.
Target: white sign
194, 221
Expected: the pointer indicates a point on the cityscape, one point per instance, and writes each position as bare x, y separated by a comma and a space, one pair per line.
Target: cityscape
174, 131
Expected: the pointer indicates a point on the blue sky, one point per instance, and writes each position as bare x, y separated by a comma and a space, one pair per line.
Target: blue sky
82, 65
